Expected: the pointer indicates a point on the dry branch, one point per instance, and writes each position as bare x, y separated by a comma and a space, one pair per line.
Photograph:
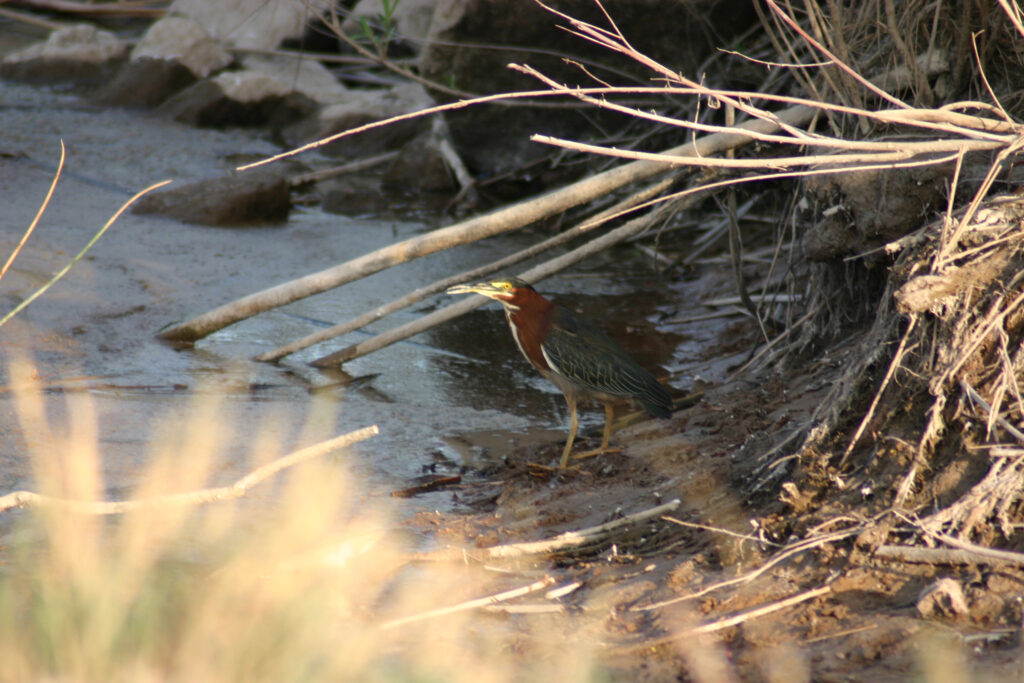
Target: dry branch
452, 311
488, 225
747, 615
443, 284
103, 9
565, 541
472, 604
918, 555
575, 539
238, 489
733, 619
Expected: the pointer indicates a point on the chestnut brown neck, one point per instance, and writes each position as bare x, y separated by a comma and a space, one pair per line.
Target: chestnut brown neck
529, 317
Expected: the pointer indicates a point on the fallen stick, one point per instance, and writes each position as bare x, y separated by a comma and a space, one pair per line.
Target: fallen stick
488, 225
18, 499
976, 397
787, 552
993, 554
434, 483
954, 556
569, 539
466, 305
733, 619
437, 286
334, 171
471, 604
747, 615
574, 539
120, 10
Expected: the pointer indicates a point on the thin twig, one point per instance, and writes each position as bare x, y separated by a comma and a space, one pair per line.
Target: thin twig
39, 213
977, 399
471, 604
747, 615
30, 19
897, 360
717, 530
334, 171
787, 552
63, 271
19, 499
838, 62
733, 619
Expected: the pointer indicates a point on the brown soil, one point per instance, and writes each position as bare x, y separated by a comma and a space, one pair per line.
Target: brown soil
717, 458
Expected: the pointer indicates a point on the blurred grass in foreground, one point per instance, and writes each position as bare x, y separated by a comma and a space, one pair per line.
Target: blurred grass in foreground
291, 587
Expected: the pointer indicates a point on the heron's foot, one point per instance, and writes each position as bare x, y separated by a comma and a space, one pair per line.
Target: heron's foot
597, 451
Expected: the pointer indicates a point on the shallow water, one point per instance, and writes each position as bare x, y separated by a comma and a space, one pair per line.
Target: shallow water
454, 395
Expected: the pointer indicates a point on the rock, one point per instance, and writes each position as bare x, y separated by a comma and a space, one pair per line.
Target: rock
353, 195
255, 197
183, 41
945, 597
237, 98
174, 53
80, 53
673, 33
271, 90
421, 167
411, 18
250, 23
307, 77
359, 108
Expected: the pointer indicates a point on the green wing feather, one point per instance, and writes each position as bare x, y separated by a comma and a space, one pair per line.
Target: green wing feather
586, 355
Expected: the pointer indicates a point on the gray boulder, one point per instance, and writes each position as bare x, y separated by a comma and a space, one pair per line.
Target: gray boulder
80, 53
237, 98
359, 108
174, 53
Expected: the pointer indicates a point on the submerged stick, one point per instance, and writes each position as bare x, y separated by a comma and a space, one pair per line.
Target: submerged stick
491, 224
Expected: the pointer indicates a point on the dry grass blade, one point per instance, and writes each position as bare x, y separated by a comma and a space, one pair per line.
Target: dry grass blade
39, 214
64, 271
